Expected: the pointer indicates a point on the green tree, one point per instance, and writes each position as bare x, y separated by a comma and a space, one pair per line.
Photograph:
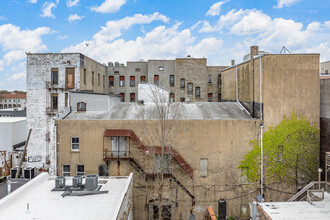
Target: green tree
291, 153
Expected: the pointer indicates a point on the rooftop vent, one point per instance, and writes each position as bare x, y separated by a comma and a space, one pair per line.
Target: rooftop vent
60, 182
77, 181
188, 55
110, 64
91, 182
117, 64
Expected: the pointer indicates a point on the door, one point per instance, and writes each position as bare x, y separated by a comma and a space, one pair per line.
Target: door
118, 147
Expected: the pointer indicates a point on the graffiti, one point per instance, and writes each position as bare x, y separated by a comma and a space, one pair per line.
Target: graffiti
34, 159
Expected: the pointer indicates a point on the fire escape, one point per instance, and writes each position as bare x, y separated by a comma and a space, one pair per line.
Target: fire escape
109, 155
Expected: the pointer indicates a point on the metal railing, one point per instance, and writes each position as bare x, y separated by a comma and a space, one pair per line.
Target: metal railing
111, 154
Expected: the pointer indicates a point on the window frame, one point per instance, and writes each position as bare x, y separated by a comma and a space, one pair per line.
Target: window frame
84, 106
210, 79
85, 75
111, 81
156, 80
132, 81
98, 79
172, 97
198, 92
132, 97
53, 95
64, 173
78, 173
182, 83
122, 97
75, 144
172, 81
52, 76
206, 164
190, 90
160, 68
137, 70
210, 97
121, 81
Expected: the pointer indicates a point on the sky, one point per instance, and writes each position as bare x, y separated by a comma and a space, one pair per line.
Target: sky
131, 30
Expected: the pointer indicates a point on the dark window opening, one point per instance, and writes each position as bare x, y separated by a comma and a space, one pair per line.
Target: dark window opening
98, 79
182, 83
171, 80
54, 75
182, 99
137, 70
190, 88
111, 80
54, 101
93, 78
219, 97
198, 92
132, 81
219, 81
85, 76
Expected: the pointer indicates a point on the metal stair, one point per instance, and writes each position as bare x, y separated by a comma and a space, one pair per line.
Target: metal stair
301, 192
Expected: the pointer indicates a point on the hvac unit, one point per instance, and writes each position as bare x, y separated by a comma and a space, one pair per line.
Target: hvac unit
13, 172
60, 182
77, 181
91, 182
29, 172
116, 64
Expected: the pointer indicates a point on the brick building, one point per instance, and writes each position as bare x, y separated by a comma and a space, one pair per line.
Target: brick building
12, 101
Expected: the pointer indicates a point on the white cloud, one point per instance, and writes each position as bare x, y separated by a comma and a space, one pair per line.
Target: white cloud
109, 6
62, 37
17, 76
71, 3
205, 47
2, 17
74, 17
33, 1
215, 8
47, 9
285, 3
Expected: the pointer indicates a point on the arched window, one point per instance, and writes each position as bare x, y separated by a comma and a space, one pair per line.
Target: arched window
190, 88
142, 79
1, 106
182, 83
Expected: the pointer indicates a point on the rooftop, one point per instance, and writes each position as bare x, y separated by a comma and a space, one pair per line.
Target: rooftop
180, 111
11, 119
13, 96
46, 204
298, 210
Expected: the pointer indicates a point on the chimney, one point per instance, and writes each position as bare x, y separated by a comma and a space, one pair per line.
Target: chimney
254, 50
233, 62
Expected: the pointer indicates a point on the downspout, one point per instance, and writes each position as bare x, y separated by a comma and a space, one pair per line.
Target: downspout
55, 162
261, 109
261, 136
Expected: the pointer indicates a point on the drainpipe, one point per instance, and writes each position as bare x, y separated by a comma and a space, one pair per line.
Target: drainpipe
261, 109
55, 156
261, 136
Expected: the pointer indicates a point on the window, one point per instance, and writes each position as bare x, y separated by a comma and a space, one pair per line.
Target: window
116, 72
166, 163
66, 170
219, 81
182, 99
143, 79
279, 153
190, 88
81, 106
103, 81
111, 81
54, 101
122, 81
85, 76
122, 97
244, 174
98, 79
161, 68
93, 78
80, 170
203, 166
172, 97
54, 72
132, 81
165, 212
182, 83
156, 80
198, 92
209, 97
74, 143
137, 70
326, 72
132, 97
171, 80
66, 99
210, 79
118, 146
69, 72
219, 97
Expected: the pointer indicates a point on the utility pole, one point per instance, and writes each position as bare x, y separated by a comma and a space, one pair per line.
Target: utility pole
22, 158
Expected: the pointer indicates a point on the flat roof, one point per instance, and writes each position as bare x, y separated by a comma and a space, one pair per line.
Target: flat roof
11, 119
178, 110
298, 210
46, 204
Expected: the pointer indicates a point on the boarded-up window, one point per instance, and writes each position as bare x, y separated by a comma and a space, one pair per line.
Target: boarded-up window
132, 81
189, 88
54, 75
122, 81
111, 81
198, 92
54, 100
156, 80
122, 97
143, 79
69, 72
132, 97
203, 166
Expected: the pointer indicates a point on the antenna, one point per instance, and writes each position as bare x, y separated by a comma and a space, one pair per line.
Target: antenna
285, 50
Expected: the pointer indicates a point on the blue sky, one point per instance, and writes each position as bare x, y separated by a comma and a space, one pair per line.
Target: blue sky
127, 30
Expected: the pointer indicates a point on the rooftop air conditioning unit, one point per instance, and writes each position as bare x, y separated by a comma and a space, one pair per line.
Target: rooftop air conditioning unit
13, 172
117, 64
60, 182
29, 172
77, 181
91, 182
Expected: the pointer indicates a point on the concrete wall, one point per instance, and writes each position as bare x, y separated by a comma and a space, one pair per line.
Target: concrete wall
222, 142
325, 68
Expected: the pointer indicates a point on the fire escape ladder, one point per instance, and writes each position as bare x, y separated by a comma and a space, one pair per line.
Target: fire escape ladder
136, 165
182, 187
